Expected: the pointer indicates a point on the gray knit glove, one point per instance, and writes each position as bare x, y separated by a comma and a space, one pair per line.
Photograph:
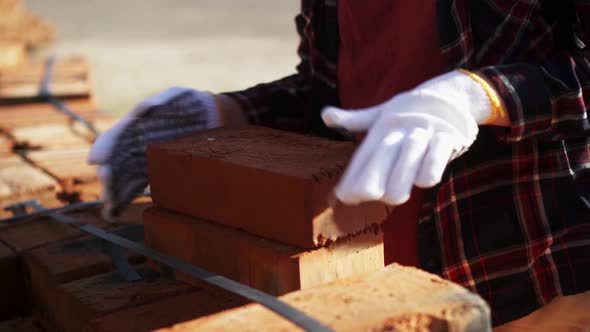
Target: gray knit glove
121, 151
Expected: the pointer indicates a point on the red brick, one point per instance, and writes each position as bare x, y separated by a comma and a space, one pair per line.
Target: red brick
27, 324
268, 265
58, 136
271, 183
42, 113
393, 299
29, 234
52, 265
166, 312
18, 178
79, 302
67, 165
12, 284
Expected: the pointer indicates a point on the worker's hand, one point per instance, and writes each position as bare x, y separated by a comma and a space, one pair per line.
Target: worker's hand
120, 151
410, 138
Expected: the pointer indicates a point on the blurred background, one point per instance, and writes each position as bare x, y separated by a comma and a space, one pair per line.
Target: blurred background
137, 48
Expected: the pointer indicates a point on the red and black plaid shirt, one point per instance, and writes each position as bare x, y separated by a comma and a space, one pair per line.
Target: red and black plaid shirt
511, 218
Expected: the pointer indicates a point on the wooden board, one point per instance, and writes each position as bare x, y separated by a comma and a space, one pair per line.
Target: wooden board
395, 298
268, 265
271, 183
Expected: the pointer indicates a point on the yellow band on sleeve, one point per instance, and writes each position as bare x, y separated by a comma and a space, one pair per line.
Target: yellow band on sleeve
499, 115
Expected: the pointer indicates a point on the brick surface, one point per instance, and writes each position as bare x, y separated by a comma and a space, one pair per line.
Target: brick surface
64, 262
166, 312
26, 324
19, 178
55, 136
271, 183
395, 298
42, 113
29, 234
66, 165
79, 302
268, 265
12, 284
70, 78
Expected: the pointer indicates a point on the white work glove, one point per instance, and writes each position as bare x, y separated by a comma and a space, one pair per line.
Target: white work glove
410, 138
120, 151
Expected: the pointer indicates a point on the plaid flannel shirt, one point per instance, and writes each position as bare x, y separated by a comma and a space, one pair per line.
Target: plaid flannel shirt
511, 218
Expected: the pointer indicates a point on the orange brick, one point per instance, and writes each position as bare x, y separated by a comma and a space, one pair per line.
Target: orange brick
67, 165
166, 312
58, 136
268, 182
12, 284
268, 265
395, 298
79, 302
52, 265
29, 234
42, 113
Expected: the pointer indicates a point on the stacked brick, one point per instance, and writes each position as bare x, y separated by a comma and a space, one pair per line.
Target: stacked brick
61, 279
256, 205
42, 149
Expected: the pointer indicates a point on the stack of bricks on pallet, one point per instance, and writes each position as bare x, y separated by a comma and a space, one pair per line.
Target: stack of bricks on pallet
253, 204
71, 283
395, 298
50, 145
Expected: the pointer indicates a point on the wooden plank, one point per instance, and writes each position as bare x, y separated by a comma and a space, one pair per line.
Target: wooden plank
277, 184
79, 302
395, 298
267, 265
12, 284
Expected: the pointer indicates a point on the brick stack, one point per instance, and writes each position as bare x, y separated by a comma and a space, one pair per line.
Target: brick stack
56, 278
253, 204
42, 150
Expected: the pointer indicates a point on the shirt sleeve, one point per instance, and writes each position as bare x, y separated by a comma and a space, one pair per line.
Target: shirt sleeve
548, 99
281, 104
